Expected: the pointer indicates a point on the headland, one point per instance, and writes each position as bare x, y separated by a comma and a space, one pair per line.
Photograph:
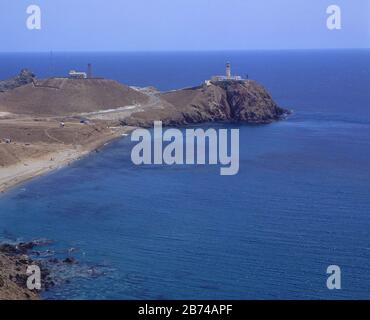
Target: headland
47, 123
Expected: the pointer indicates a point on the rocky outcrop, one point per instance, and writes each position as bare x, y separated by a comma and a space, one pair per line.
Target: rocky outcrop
228, 101
250, 102
14, 261
13, 276
56, 270
25, 77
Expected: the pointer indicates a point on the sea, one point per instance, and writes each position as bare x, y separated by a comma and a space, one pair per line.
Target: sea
300, 203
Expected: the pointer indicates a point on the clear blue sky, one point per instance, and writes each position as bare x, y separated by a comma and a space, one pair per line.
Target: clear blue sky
141, 25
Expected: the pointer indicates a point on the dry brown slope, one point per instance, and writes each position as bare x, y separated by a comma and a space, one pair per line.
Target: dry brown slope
33, 139
61, 96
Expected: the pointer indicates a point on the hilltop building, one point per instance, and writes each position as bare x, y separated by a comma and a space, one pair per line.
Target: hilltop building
73, 74
227, 77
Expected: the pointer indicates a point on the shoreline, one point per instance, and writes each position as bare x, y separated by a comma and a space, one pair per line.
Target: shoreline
14, 175
43, 130
69, 123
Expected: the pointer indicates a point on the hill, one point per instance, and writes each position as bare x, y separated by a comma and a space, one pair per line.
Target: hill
64, 96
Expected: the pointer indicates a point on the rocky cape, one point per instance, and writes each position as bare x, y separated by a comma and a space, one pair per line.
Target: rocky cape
244, 101
228, 101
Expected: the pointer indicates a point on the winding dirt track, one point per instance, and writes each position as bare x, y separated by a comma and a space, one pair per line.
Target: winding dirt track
51, 137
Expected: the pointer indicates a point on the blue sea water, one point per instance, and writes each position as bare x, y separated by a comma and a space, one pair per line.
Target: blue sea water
300, 202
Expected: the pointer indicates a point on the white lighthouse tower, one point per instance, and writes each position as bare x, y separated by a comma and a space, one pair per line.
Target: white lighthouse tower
227, 77
228, 71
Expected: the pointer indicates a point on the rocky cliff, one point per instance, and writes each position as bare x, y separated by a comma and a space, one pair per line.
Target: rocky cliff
24, 77
229, 101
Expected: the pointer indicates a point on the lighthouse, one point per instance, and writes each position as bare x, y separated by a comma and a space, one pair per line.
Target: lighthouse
228, 71
227, 77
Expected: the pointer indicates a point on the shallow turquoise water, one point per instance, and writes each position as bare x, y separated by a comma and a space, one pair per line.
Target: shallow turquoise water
299, 204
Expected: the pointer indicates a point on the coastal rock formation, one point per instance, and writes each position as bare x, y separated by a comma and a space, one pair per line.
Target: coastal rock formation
13, 277
219, 101
25, 77
14, 260
225, 101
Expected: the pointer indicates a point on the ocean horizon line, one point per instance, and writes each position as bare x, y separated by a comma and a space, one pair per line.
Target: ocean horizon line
184, 51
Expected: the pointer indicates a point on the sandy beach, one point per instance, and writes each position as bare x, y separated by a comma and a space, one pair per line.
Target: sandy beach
48, 157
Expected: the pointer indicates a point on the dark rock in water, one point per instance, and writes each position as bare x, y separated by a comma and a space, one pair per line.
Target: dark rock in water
47, 279
24, 247
8, 248
25, 77
70, 260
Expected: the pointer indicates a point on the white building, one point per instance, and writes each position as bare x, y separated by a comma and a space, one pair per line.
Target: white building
228, 76
73, 74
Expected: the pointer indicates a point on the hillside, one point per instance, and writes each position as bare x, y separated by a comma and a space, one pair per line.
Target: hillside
62, 96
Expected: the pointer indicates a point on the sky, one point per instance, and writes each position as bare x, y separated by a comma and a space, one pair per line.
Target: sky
178, 25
